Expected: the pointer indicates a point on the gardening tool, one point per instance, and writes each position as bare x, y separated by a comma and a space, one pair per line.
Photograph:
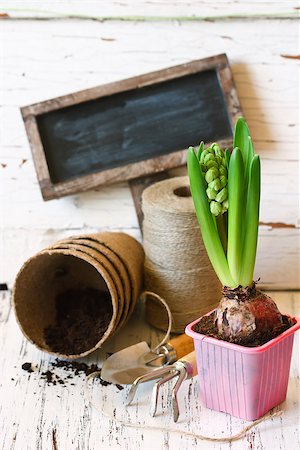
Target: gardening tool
125, 366
183, 369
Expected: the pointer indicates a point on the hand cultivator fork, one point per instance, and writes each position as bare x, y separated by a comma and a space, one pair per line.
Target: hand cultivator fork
184, 369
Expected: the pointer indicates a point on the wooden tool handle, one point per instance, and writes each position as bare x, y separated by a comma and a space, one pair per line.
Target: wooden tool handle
192, 363
183, 345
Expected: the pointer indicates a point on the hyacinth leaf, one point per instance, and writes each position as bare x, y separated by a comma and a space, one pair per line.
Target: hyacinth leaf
227, 157
200, 150
241, 139
222, 230
251, 150
206, 221
250, 157
235, 213
251, 224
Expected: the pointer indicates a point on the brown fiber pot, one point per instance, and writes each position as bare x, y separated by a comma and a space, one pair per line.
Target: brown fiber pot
106, 265
116, 262
72, 264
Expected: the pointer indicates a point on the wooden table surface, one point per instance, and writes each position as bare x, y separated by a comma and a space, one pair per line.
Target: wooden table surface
35, 415
54, 48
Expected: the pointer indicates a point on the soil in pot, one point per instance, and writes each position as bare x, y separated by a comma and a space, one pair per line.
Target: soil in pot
207, 326
82, 317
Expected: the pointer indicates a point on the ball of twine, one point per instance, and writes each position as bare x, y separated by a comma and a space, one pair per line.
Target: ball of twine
176, 264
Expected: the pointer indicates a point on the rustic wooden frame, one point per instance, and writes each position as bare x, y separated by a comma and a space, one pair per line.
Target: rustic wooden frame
155, 165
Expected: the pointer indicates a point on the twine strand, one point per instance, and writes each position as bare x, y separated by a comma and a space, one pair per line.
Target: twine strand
145, 295
138, 425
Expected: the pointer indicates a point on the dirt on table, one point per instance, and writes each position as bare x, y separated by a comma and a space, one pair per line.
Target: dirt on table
65, 372
82, 317
206, 325
28, 367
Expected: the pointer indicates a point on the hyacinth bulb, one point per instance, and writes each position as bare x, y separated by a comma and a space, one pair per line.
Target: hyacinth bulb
246, 314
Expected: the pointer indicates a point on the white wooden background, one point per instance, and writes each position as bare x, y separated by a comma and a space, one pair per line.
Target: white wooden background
64, 51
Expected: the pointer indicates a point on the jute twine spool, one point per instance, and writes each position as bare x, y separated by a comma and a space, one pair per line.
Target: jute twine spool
111, 262
176, 263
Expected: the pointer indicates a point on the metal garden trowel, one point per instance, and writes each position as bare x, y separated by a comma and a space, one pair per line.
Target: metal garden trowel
125, 366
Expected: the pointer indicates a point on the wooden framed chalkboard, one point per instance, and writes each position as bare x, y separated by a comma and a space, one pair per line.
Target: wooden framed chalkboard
131, 128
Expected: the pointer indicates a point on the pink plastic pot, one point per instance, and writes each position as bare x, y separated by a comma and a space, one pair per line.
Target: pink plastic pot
245, 382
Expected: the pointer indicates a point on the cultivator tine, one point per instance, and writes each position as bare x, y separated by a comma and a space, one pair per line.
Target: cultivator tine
184, 368
175, 407
155, 392
157, 373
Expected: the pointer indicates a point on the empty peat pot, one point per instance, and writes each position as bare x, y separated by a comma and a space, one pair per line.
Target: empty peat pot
70, 298
245, 382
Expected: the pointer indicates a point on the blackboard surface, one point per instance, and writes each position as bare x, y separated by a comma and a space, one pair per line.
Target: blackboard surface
133, 126
134, 130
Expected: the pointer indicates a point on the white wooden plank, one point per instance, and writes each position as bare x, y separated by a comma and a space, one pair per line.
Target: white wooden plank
31, 410
153, 8
277, 263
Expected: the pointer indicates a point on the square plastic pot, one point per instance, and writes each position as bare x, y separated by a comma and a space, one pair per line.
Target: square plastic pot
245, 382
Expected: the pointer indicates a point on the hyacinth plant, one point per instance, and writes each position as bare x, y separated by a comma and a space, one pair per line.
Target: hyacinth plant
226, 193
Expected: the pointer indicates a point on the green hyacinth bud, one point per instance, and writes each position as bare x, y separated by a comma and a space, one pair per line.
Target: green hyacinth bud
225, 206
211, 193
203, 154
217, 150
223, 171
211, 174
222, 195
215, 208
223, 181
213, 164
209, 157
219, 160
215, 184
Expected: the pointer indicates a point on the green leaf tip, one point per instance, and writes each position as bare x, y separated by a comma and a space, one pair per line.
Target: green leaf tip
235, 212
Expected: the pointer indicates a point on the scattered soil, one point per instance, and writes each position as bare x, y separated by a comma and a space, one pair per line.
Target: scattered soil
71, 370
52, 378
49, 377
82, 317
206, 325
28, 367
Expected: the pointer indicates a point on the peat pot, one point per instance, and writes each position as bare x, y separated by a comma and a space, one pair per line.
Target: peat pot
245, 382
107, 262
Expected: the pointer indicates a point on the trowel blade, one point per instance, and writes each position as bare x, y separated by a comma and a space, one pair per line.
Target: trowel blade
127, 365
